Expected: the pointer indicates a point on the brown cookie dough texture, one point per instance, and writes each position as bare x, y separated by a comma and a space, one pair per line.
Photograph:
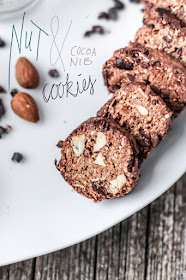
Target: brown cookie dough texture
162, 30
177, 7
136, 63
100, 160
143, 113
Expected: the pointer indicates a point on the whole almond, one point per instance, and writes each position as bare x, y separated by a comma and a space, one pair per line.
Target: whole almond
26, 74
25, 107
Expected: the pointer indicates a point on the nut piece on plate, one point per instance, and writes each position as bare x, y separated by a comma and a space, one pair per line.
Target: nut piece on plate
26, 74
109, 173
25, 107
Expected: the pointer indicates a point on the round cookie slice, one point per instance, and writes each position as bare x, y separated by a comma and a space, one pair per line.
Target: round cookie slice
99, 160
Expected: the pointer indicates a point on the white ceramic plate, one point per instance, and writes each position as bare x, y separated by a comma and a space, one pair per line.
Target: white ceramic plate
39, 212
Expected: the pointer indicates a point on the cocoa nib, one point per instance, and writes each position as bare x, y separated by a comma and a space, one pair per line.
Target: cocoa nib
155, 89
156, 64
53, 73
154, 101
179, 51
103, 15
131, 77
121, 64
60, 144
167, 39
130, 165
151, 26
17, 157
97, 29
135, 1
2, 109
146, 52
4, 130
145, 65
119, 5
14, 92
112, 13
142, 132
99, 190
2, 90
2, 43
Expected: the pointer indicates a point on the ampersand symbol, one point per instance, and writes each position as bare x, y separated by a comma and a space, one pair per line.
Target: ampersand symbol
54, 29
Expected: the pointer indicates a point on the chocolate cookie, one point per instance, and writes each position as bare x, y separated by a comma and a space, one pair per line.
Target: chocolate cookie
177, 7
143, 113
100, 160
137, 63
162, 30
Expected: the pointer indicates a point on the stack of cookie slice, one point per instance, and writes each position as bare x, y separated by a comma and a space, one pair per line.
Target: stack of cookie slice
101, 158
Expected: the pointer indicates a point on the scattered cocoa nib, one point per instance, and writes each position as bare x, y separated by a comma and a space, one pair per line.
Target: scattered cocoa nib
142, 132
175, 70
17, 157
135, 1
156, 141
2, 90
121, 64
156, 64
2, 109
131, 77
154, 101
167, 39
174, 25
162, 11
146, 52
116, 87
130, 165
14, 92
155, 89
4, 130
151, 26
97, 29
2, 43
119, 5
145, 65
8, 129
88, 33
99, 190
112, 12
53, 73
141, 143
60, 144
103, 15
134, 53
179, 51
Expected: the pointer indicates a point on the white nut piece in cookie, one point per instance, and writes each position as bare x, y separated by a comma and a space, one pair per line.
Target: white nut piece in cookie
100, 160
142, 110
78, 144
115, 185
100, 141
